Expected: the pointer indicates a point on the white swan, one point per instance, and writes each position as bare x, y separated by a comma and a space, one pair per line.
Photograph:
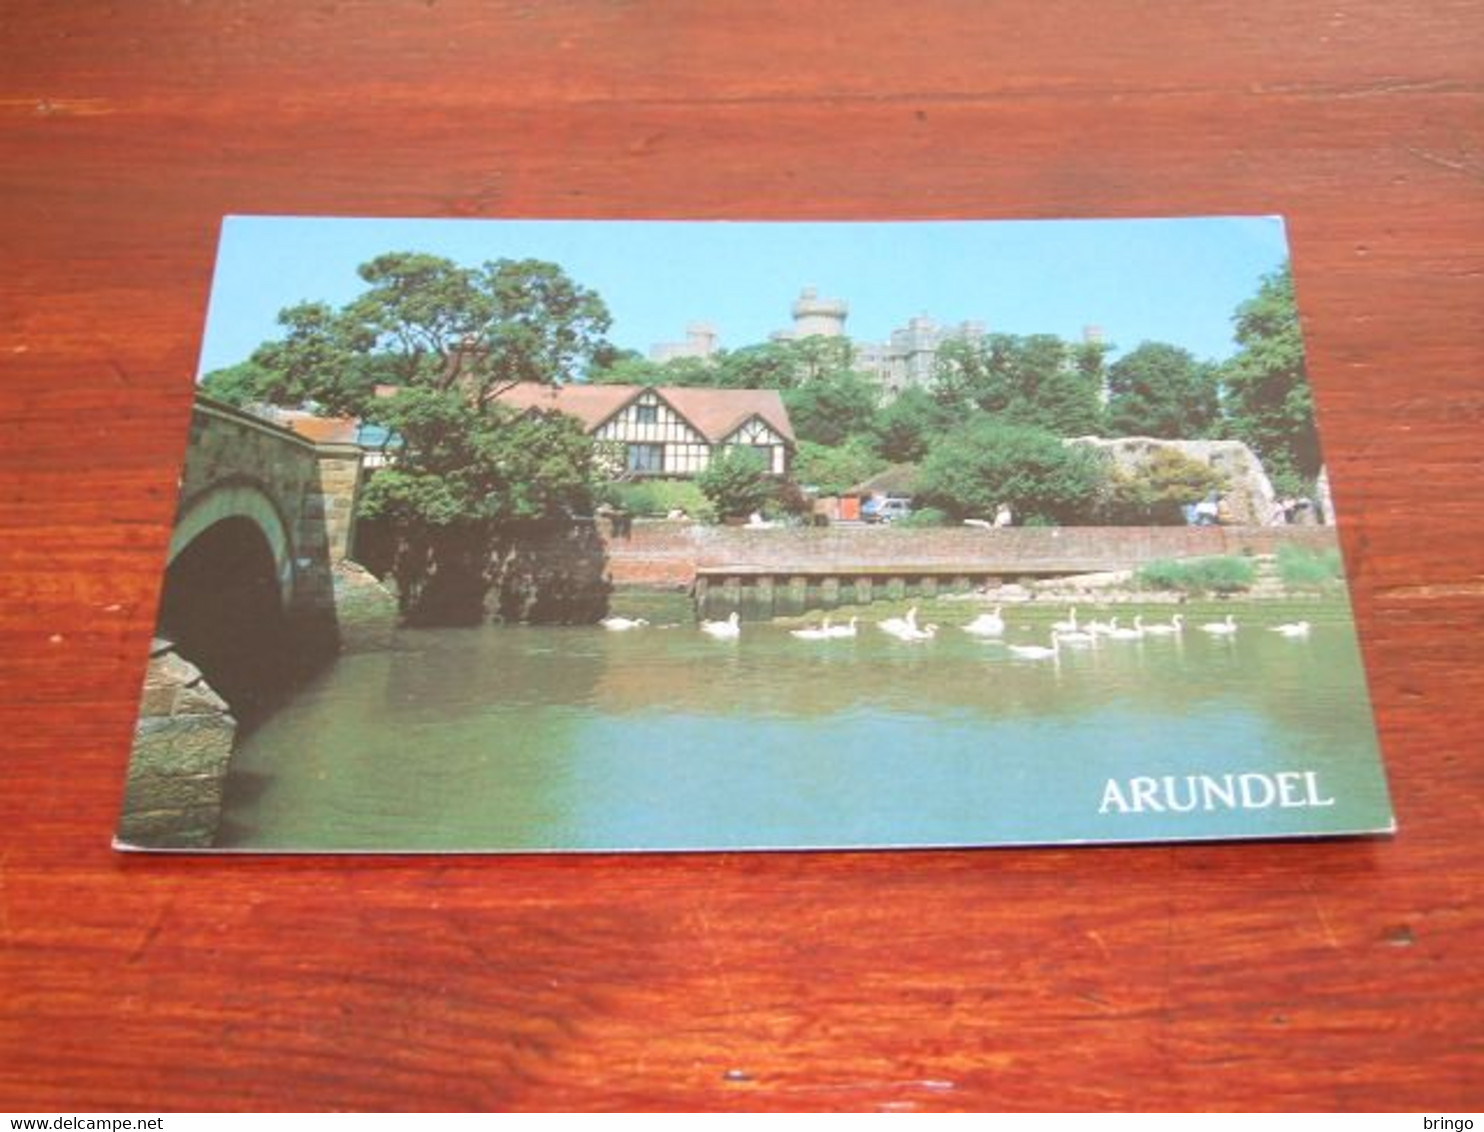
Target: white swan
1134, 634
926, 633
1067, 626
987, 624
1102, 628
1292, 629
728, 630
1174, 628
839, 631
1037, 652
1221, 628
896, 626
620, 624
813, 632
1081, 638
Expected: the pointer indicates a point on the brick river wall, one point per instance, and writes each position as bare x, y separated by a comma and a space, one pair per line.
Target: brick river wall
669, 554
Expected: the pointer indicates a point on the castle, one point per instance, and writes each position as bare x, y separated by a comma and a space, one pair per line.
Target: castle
905, 361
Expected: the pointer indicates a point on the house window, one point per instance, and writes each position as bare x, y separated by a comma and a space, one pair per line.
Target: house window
646, 459
646, 414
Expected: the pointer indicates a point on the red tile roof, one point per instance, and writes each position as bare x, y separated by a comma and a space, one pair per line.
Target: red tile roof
321, 430
715, 413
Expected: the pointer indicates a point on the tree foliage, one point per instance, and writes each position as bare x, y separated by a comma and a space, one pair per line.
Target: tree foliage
1163, 391
1267, 385
737, 482
1156, 491
236, 385
987, 462
451, 339
482, 329
1036, 380
832, 470
833, 407
904, 430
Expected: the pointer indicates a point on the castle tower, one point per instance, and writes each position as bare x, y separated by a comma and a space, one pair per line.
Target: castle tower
816, 316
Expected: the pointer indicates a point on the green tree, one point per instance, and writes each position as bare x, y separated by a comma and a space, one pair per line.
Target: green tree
1156, 492
737, 482
905, 429
832, 407
987, 462
480, 330
321, 358
782, 365
831, 471
1036, 380
1161, 390
768, 365
1268, 400
451, 338
628, 368
239, 385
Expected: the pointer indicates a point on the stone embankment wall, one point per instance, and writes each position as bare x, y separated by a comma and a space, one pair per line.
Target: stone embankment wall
182, 744
662, 553
365, 610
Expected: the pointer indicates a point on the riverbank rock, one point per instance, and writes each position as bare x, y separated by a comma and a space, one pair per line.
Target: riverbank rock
182, 743
365, 610
1249, 493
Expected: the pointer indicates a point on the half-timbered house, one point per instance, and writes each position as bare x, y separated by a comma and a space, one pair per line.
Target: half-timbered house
669, 431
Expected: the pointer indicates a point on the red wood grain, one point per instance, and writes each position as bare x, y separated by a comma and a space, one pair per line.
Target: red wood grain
1334, 975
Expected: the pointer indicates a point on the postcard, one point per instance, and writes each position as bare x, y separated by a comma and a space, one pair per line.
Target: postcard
579, 536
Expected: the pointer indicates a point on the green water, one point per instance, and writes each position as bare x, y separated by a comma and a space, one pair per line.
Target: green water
664, 738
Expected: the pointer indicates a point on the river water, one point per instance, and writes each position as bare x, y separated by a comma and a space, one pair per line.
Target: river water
527, 738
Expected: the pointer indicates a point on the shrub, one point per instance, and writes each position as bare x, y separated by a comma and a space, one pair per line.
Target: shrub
737, 482
987, 462
657, 498
1198, 575
832, 471
1156, 491
927, 517
1301, 568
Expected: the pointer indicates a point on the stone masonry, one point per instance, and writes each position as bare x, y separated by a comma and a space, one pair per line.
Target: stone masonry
182, 743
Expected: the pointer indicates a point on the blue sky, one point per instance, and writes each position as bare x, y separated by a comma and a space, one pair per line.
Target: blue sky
1175, 280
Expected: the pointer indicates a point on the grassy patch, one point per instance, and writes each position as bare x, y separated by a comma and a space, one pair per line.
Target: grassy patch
1225, 575
1303, 569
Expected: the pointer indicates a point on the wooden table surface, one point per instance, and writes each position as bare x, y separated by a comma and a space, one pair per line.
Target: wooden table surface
1336, 975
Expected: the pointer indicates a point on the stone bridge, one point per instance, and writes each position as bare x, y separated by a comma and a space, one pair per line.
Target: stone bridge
263, 527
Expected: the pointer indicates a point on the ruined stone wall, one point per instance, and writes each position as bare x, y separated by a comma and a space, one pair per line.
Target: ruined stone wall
1248, 493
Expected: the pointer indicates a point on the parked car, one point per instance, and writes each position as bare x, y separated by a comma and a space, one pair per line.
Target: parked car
886, 509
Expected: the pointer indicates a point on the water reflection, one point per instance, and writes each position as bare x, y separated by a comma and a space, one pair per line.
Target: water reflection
665, 738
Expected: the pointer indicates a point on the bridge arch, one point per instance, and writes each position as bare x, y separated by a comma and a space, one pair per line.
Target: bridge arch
228, 599
246, 500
